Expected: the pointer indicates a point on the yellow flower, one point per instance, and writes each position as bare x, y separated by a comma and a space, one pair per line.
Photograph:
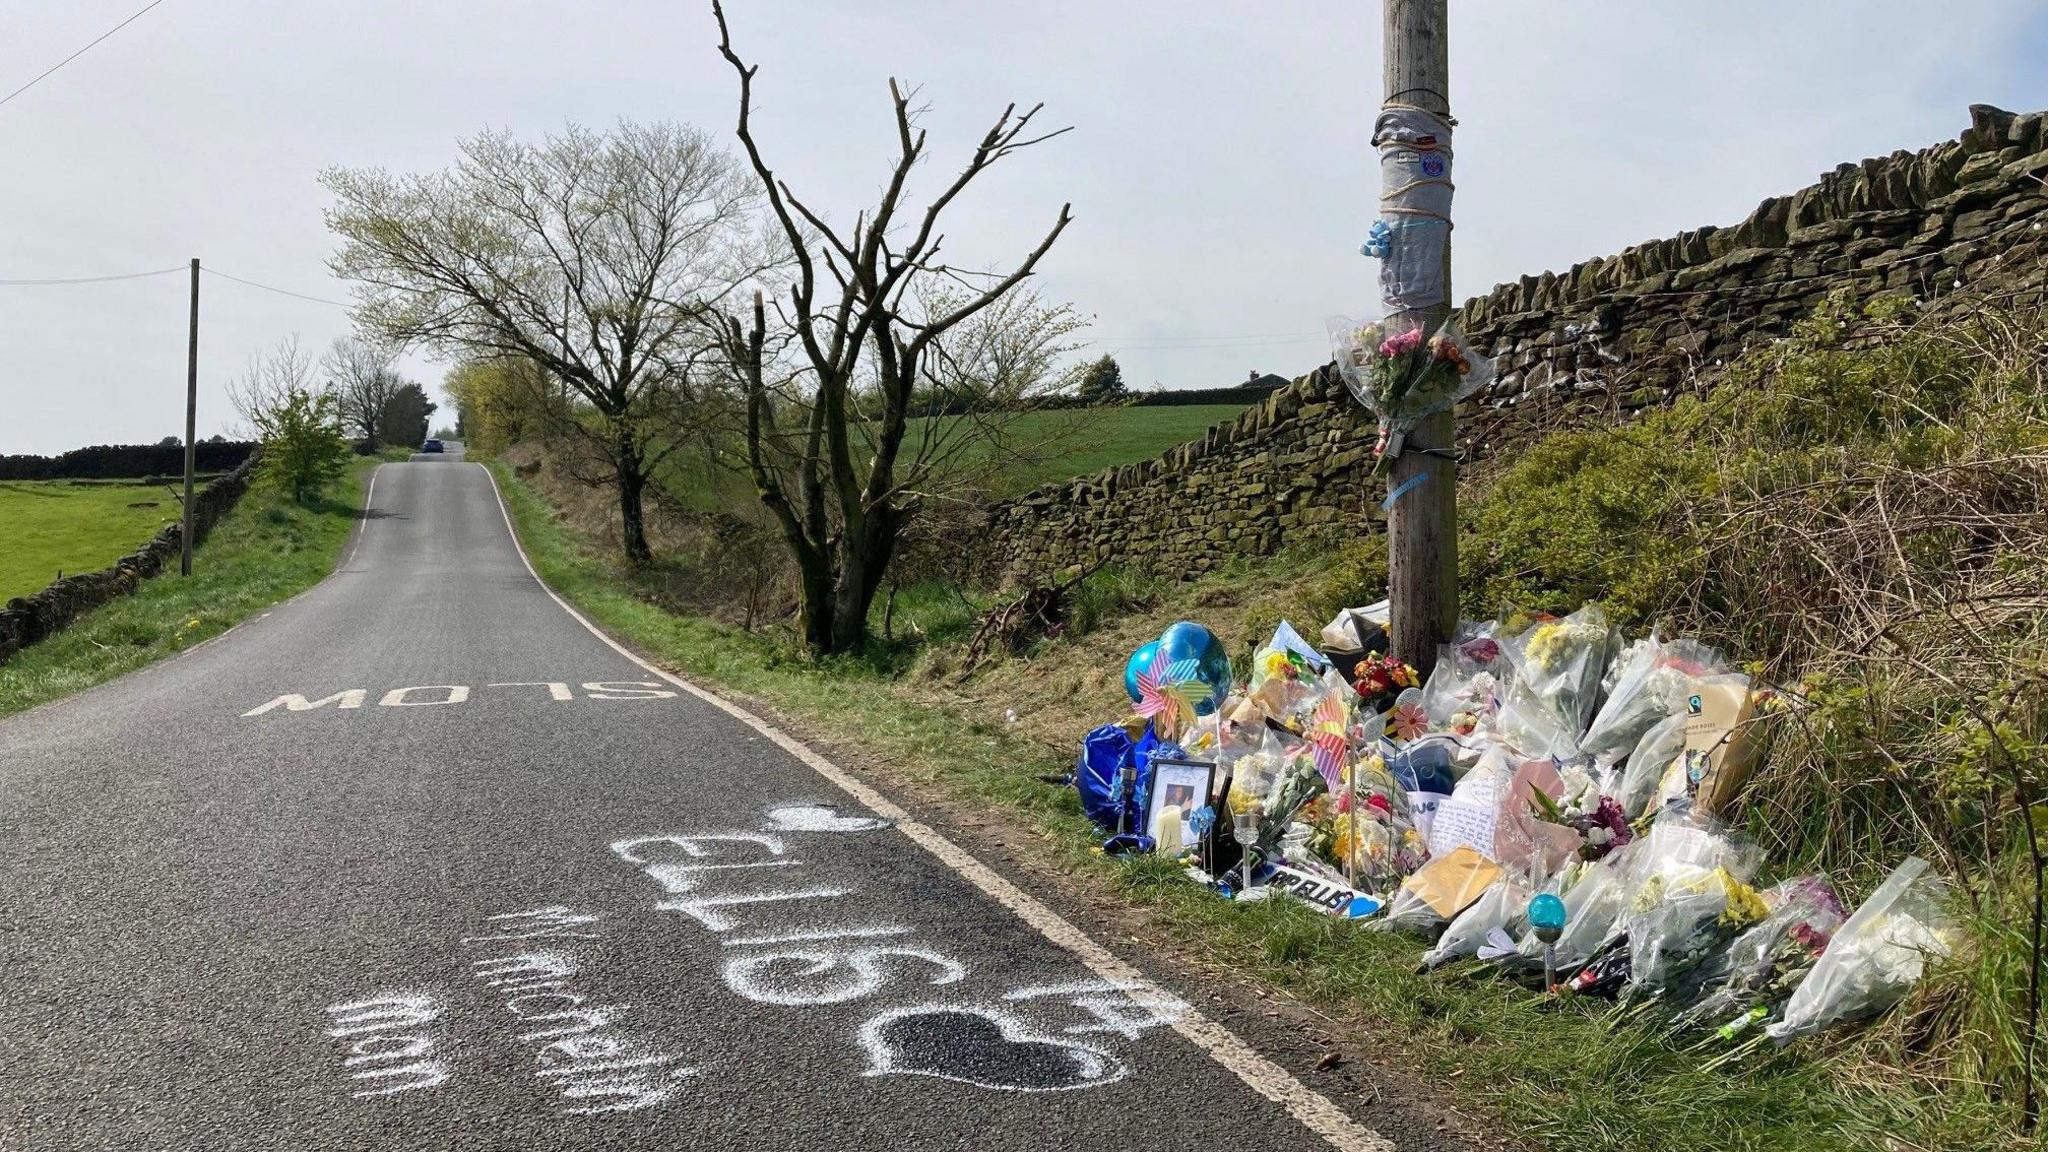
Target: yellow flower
1551, 643
1276, 665
1244, 800
1745, 906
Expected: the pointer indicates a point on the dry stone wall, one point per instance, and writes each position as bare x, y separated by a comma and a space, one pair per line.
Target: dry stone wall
1596, 343
27, 619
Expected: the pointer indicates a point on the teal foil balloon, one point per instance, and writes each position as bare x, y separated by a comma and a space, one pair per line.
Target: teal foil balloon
1188, 640
1139, 661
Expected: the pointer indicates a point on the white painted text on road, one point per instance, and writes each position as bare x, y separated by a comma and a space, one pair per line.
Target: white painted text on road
441, 695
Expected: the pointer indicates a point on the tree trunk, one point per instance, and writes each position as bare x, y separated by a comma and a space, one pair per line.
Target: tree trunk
815, 605
632, 524
863, 564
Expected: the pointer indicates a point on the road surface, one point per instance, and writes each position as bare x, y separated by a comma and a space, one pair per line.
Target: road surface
418, 860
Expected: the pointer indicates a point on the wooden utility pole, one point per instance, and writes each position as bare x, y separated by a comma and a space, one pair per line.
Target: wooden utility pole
1422, 524
191, 426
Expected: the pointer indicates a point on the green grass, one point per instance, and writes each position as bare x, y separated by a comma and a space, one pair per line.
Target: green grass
49, 527
1055, 446
1086, 442
1560, 1075
266, 550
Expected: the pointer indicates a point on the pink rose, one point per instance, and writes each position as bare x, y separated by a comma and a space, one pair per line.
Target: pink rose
1401, 343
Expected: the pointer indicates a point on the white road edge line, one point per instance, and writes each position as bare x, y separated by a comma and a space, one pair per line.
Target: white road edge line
370, 495
1315, 1111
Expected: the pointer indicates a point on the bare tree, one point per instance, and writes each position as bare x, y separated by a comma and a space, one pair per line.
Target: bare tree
593, 255
862, 327
270, 378
304, 448
361, 376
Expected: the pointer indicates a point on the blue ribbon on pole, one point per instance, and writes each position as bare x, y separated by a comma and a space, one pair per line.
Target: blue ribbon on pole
1402, 489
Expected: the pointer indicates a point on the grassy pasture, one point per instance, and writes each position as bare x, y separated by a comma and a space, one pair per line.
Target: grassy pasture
1052, 446
72, 526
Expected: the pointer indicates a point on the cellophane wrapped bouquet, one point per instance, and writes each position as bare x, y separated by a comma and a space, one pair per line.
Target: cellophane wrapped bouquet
1376, 843
1654, 754
1757, 972
1277, 775
1876, 957
1463, 692
1691, 895
1646, 685
1285, 684
1402, 376
1558, 666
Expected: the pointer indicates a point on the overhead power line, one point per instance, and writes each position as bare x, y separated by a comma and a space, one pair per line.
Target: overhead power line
82, 51
1199, 343
1154, 343
271, 288
89, 279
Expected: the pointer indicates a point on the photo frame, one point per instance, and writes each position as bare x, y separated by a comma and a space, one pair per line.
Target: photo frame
1186, 784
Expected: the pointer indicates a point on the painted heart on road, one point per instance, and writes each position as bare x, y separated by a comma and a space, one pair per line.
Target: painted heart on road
818, 818
984, 1048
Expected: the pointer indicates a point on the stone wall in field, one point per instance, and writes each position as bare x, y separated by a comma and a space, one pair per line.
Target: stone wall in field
27, 619
1598, 342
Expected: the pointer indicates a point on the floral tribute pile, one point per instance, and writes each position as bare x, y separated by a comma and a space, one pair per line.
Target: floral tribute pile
1543, 762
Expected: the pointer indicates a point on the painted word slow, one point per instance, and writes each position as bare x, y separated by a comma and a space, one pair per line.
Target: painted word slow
580, 1046
441, 695
741, 886
389, 1042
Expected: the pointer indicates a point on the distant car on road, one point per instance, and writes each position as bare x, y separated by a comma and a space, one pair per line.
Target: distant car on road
431, 446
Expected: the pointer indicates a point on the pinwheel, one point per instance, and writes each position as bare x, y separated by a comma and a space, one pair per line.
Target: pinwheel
1329, 733
1168, 693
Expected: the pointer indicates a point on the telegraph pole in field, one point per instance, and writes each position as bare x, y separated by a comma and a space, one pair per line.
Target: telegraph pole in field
191, 426
1422, 522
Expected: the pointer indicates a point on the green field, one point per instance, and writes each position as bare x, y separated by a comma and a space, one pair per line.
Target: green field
72, 526
1084, 442
1047, 447
265, 550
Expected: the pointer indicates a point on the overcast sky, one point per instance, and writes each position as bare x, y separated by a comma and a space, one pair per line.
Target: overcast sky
1219, 169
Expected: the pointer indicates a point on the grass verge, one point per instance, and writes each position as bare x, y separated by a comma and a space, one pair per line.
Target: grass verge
266, 550
1568, 1075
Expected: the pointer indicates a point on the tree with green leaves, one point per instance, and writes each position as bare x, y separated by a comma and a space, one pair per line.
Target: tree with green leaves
1102, 383
504, 401
304, 448
405, 417
594, 255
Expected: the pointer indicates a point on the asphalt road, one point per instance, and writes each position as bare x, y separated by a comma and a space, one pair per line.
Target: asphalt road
417, 860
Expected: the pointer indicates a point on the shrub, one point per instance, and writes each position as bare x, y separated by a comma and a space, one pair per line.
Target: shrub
304, 448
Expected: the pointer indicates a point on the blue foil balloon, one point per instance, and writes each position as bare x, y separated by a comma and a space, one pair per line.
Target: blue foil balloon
1139, 661
1188, 640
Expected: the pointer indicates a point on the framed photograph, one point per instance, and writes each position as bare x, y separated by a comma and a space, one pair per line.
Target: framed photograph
1183, 784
